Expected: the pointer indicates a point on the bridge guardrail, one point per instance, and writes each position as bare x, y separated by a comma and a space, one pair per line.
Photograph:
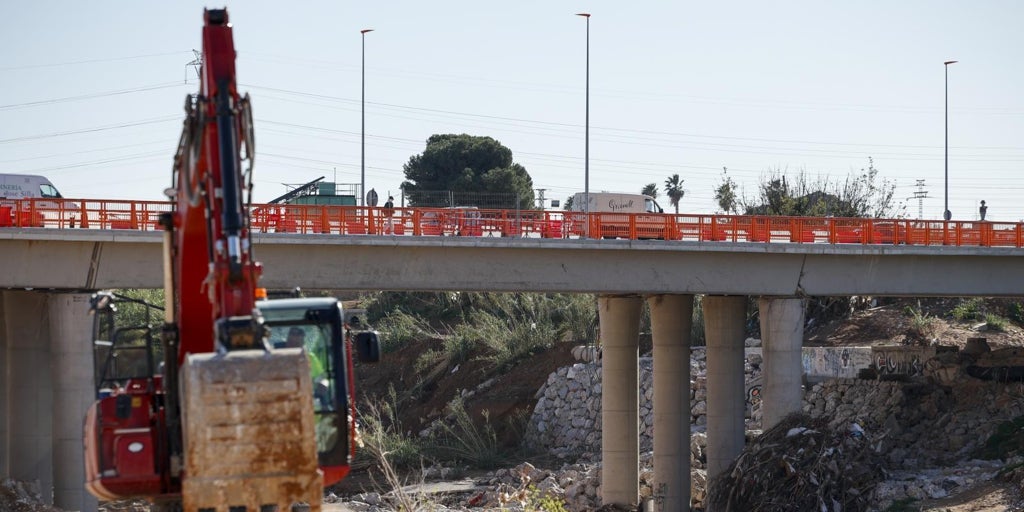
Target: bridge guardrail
475, 222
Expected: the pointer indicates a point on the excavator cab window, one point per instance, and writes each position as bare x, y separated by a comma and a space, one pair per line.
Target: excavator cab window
124, 347
315, 325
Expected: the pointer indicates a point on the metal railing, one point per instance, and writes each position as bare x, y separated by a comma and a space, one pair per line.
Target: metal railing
475, 222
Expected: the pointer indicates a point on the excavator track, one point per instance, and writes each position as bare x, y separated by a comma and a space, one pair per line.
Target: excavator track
249, 436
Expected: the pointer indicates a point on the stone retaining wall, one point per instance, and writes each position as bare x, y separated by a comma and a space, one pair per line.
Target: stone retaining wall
567, 417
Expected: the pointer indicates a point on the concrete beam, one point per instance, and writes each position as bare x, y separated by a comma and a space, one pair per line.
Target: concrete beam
620, 399
671, 320
724, 319
91, 259
782, 334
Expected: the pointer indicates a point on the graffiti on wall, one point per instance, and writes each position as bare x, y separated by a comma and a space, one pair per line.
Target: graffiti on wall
898, 364
754, 395
834, 362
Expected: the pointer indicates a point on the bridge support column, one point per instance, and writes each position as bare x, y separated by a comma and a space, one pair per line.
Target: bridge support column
782, 331
71, 356
5, 405
46, 382
620, 399
671, 319
724, 319
29, 386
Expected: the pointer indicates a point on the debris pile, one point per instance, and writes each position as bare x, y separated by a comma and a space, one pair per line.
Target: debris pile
801, 464
17, 496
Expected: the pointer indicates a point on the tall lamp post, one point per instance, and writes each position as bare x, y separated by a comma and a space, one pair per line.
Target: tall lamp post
947, 214
586, 143
362, 136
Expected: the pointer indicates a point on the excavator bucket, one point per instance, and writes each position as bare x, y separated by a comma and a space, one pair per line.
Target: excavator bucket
249, 432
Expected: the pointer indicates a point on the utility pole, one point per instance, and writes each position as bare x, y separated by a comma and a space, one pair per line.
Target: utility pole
920, 195
540, 197
197, 64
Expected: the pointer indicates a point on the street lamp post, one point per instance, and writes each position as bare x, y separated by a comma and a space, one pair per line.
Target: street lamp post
362, 133
586, 143
947, 214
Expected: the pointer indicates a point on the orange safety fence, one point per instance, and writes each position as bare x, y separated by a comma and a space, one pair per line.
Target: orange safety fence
477, 222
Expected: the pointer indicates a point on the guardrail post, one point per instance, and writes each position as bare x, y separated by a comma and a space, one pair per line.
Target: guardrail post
133, 221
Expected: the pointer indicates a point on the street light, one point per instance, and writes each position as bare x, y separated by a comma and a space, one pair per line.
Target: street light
947, 214
586, 143
362, 140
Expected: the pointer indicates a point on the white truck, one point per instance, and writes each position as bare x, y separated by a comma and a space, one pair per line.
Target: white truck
15, 187
621, 215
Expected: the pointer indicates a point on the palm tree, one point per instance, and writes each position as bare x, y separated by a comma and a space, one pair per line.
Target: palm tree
650, 189
674, 190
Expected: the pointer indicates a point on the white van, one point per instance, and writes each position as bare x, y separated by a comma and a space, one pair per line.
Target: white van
615, 202
26, 186
649, 221
29, 186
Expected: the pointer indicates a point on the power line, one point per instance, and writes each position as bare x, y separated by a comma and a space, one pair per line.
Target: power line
14, 106
573, 126
91, 130
89, 61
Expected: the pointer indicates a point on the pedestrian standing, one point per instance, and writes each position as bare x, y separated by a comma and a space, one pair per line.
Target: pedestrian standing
389, 212
982, 210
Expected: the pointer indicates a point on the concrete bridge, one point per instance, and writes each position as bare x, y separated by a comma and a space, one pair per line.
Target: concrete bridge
45, 351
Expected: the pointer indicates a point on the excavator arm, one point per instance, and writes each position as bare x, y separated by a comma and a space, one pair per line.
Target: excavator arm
247, 425
228, 421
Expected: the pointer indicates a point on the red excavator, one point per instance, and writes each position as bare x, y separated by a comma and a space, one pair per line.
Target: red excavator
237, 402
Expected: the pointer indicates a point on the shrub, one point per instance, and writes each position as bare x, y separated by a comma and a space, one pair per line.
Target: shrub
454, 349
996, 323
508, 344
1016, 312
399, 328
382, 436
459, 439
922, 326
969, 309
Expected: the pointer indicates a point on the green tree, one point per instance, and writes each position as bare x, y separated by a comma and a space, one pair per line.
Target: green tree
725, 194
567, 205
650, 189
467, 163
674, 190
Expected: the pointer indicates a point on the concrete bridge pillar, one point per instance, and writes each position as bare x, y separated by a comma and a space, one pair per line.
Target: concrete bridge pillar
671, 319
620, 399
72, 366
782, 333
724, 329
5, 409
28, 446
46, 382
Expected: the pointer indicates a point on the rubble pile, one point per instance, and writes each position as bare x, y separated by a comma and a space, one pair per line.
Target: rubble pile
931, 426
801, 464
17, 496
919, 424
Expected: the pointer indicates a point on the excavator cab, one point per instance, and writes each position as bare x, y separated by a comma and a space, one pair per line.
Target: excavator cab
316, 326
124, 428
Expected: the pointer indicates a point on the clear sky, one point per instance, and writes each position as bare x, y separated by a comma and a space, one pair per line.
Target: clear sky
91, 93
